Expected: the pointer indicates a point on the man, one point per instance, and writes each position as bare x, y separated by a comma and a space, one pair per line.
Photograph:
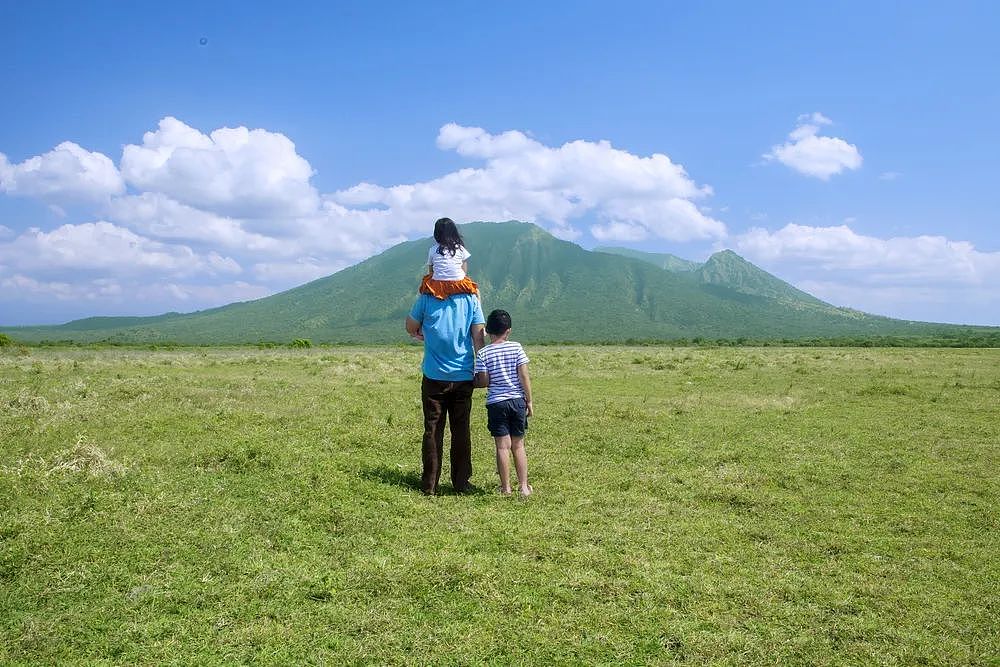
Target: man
452, 332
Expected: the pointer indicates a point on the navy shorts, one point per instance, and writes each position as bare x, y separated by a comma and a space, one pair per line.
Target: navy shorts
508, 417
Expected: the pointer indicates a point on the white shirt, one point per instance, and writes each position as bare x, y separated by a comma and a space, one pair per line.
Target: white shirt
447, 266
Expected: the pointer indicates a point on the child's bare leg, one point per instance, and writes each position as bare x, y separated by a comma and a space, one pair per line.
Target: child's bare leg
503, 462
520, 464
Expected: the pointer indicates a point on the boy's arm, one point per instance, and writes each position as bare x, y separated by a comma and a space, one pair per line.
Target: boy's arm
522, 375
465, 268
430, 270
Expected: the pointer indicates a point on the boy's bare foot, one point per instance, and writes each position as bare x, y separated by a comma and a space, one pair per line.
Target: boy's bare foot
504, 492
527, 491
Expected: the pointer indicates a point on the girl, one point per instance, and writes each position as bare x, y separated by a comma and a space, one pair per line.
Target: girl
446, 263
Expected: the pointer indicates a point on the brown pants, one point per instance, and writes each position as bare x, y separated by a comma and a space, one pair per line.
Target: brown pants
446, 401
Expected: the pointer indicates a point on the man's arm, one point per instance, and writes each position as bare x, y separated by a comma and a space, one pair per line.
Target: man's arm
413, 328
478, 338
522, 375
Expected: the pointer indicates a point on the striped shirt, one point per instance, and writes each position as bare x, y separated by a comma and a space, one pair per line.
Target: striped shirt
501, 360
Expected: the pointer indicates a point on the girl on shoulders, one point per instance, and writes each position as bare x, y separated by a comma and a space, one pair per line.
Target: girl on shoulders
447, 263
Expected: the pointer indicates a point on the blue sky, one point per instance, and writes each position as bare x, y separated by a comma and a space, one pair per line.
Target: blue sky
849, 148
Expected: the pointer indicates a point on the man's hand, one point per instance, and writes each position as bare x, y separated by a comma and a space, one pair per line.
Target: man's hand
481, 380
414, 329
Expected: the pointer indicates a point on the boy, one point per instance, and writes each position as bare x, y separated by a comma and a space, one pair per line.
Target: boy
502, 366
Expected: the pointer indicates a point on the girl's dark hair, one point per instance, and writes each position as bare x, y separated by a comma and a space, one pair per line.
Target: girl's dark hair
498, 322
447, 236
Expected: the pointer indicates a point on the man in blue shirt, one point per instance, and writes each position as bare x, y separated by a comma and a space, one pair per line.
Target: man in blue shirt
452, 332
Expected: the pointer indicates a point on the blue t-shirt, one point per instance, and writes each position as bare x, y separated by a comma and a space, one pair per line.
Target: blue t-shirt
446, 324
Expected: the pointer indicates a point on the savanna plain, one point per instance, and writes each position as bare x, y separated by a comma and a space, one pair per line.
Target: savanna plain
693, 505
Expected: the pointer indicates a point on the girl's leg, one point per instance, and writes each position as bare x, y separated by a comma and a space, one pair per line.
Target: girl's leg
503, 462
520, 464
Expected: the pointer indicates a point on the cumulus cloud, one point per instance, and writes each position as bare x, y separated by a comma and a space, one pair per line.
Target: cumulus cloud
976, 304
302, 270
104, 247
928, 278
619, 231
111, 296
26, 286
157, 215
66, 173
643, 197
248, 193
808, 153
196, 295
232, 171
857, 258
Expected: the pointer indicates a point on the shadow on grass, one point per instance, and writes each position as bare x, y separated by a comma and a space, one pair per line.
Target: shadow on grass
393, 476
410, 480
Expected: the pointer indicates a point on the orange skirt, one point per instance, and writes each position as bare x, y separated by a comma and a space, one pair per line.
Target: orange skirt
442, 289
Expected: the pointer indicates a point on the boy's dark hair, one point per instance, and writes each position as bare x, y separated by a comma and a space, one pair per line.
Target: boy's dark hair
498, 322
447, 236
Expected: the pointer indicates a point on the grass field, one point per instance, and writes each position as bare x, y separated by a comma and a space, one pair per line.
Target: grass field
730, 506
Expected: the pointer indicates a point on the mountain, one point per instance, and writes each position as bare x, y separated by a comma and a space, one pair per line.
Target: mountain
724, 269
662, 260
554, 290
729, 270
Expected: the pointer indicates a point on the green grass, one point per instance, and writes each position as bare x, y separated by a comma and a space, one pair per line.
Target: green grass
731, 506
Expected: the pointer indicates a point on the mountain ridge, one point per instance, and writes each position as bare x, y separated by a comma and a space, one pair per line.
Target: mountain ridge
555, 291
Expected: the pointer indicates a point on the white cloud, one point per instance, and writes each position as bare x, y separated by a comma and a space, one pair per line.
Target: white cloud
200, 206
476, 142
619, 231
928, 278
526, 180
104, 247
205, 204
303, 270
927, 303
161, 217
854, 258
889, 175
27, 287
66, 173
123, 296
232, 171
814, 155
195, 296
248, 193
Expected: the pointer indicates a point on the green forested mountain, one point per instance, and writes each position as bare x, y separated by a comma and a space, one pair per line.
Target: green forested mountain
554, 290
727, 269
